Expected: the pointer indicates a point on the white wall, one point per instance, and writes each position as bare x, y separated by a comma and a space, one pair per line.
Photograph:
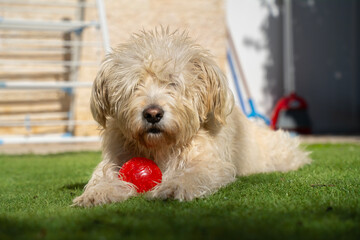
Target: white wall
248, 21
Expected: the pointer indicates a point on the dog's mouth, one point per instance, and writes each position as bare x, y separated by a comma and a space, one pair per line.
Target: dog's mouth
155, 137
154, 130
152, 137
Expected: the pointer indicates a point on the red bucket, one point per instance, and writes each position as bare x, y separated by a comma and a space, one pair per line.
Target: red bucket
291, 114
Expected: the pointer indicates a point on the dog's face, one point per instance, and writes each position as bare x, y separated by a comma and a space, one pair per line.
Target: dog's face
160, 88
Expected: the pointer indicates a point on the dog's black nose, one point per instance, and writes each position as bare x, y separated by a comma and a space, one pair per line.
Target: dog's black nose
153, 114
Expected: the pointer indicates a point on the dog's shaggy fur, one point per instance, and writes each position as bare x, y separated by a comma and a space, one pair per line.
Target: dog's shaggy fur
162, 97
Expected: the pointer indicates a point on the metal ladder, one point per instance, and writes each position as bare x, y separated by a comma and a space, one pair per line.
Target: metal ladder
42, 39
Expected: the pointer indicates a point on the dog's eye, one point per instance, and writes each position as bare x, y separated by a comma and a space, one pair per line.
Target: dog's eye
136, 87
174, 85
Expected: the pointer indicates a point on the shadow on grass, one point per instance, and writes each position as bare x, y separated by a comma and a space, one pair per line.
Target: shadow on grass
141, 219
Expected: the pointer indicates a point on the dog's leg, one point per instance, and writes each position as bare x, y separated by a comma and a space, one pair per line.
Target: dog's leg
104, 187
198, 172
198, 179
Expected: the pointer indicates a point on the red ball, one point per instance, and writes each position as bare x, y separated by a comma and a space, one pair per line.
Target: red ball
142, 172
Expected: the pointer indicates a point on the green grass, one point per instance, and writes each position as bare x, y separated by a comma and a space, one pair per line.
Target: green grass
320, 201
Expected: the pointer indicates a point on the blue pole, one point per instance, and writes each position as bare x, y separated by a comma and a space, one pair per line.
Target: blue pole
237, 86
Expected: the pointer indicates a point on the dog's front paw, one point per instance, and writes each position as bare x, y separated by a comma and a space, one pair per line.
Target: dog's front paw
162, 191
85, 200
103, 194
175, 191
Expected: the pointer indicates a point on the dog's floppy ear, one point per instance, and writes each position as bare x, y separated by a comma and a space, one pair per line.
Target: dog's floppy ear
99, 101
216, 96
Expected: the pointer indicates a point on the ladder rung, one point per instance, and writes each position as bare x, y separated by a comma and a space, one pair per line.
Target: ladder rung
47, 139
48, 62
48, 3
57, 43
32, 9
42, 51
37, 116
62, 26
42, 85
26, 72
46, 123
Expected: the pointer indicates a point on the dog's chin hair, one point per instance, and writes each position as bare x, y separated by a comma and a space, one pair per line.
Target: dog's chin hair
160, 140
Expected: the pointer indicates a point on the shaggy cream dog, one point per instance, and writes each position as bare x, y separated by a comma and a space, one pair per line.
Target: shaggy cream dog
161, 96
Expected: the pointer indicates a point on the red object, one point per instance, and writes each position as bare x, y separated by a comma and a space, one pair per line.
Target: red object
290, 114
141, 172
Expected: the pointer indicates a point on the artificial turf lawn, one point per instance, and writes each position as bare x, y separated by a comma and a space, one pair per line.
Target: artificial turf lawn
320, 201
